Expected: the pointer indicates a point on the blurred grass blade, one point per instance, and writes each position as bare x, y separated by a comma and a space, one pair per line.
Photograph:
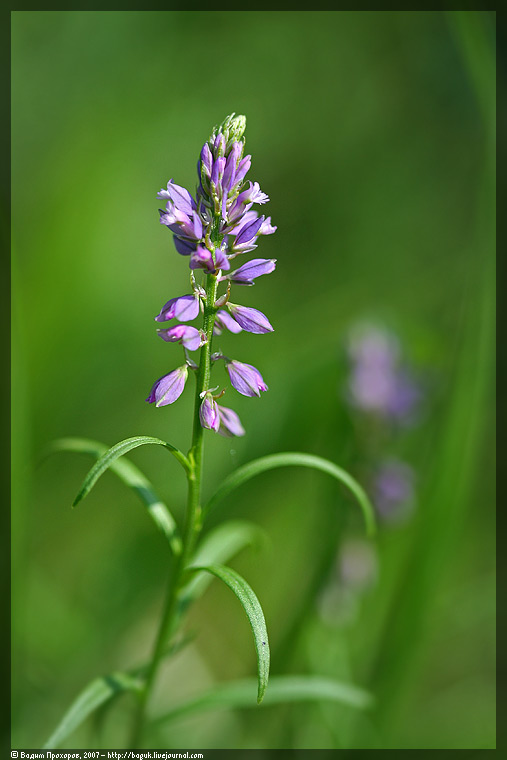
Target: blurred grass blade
294, 459
132, 477
217, 547
93, 696
282, 689
118, 450
255, 615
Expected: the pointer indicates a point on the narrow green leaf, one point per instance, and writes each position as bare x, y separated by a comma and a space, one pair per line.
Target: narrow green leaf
255, 615
294, 459
118, 450
282, 689
217, 547
93, 696
132, 477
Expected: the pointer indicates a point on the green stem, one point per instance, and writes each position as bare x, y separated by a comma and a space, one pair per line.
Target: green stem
193, 516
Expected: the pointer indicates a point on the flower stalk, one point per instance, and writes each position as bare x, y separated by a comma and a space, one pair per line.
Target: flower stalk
218, 225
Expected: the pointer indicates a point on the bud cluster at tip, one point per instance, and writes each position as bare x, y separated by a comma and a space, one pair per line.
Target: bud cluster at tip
217, 225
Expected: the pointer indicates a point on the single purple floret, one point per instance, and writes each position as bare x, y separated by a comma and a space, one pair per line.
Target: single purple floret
245, 378
184, 308
230, 424
251, 320
246, 274
169, 387
188, 336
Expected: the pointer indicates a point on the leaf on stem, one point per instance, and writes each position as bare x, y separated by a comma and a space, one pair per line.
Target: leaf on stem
255, 615
216, 547
132, 477
295, 459
282, 689
93, 696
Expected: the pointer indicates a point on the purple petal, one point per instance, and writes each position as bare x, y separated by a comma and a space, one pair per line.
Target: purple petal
224, 321
246, 379
243, 167
238, 225
184, 247
231, 166
207, 159
183, 308
267, 228
230, 423
197, 226
179, 196
248, 232
251, 320
255, 268
222, 262
218, 170
169, 387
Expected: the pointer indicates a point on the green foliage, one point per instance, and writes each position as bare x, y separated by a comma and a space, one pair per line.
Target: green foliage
129, 474
97, 693
294, 459
118, 450
374, 135
255, 615
282, 689
216, 547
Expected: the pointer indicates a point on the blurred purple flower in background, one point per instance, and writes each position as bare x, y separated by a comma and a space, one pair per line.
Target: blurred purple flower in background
355, 573
393, 490
379, 382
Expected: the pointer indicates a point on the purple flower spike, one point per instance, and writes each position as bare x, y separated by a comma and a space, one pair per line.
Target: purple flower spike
208, 413
169, 387
184, 308
245, 378
230, 424
224, 321
246, 274
188, 336
251, 320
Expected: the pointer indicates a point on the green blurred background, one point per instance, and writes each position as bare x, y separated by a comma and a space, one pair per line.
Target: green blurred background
373, 134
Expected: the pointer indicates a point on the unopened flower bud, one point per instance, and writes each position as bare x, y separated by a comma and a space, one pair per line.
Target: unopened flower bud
208, 413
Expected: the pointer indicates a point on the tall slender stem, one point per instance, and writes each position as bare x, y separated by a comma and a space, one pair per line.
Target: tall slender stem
193, 515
